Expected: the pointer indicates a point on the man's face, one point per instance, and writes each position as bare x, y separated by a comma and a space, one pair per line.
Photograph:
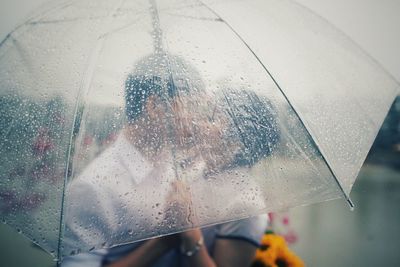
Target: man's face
221, 144
190, 121
202, 131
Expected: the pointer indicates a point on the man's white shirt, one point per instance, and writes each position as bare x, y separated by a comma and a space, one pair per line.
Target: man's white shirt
122, 196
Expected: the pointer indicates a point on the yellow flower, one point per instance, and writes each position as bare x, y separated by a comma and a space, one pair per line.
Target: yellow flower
274, 252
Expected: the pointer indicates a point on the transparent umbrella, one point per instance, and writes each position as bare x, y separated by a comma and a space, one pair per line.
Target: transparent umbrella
125, 120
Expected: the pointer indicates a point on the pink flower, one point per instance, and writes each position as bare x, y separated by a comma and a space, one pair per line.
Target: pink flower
291, 237
31, 201
11, 202
87, 140
271, 216
285, 220
109, 139
43, 142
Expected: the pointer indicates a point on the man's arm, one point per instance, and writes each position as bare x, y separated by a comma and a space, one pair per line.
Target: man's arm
233, 253
148, 253
200, 257
226, 253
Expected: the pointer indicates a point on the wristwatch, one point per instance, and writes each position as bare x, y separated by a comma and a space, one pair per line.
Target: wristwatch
189, 253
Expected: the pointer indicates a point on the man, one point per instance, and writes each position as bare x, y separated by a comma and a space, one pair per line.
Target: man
131, 190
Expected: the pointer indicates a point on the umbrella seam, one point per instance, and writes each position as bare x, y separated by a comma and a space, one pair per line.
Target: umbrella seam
159, 49
27, 22
84, 86
290, 104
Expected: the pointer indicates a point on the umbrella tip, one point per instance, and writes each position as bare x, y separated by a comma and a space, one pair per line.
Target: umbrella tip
350, 203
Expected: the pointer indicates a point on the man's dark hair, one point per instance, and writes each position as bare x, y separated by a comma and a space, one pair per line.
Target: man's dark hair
165, 76
254, 122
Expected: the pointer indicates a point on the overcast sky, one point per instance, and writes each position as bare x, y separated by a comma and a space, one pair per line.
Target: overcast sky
373, 24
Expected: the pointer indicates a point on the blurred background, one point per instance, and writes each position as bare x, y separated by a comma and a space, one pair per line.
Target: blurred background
324, 234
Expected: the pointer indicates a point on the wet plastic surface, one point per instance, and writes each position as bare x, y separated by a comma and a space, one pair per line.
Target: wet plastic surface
125, 120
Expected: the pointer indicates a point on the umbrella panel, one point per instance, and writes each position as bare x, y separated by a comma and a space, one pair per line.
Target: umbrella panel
63, 78
330, 81
215, 66
42, 68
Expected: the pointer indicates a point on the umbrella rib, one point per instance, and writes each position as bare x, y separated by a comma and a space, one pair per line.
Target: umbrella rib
350, 203
121, 28
28, 22
56, 21
85, 83
63, 5
193, 17
159, 49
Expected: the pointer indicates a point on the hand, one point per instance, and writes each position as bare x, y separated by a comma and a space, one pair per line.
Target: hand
169, 241
189, 239
179, 213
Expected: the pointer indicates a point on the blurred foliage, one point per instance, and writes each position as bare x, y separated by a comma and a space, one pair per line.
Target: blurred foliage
34, 145
32, 150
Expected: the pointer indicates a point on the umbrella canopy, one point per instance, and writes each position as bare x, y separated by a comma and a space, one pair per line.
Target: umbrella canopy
125, 120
